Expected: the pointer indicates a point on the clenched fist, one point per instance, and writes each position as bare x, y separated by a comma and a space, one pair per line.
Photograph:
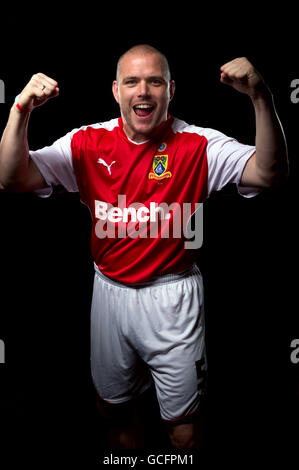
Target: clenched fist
38, 90
241, 75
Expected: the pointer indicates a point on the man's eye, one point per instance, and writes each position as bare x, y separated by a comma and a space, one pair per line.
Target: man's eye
130, 82
156, 81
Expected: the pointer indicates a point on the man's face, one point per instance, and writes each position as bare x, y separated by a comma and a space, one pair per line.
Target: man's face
143, 91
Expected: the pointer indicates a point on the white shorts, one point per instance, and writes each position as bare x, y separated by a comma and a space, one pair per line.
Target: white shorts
150, 332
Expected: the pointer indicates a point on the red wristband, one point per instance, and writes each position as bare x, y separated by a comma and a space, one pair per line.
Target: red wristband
21, 108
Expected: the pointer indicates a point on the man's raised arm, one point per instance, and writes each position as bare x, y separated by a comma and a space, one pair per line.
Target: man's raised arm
268, 166
17, 171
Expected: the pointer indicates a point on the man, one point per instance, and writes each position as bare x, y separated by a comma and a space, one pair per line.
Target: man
147, 320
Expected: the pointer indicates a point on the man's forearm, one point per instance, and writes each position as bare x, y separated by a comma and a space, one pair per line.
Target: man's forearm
269, 165
271, 147
14, 150
17, 170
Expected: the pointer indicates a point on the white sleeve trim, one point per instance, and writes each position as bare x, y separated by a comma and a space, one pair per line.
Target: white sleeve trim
226, 158
55, 163
247, 191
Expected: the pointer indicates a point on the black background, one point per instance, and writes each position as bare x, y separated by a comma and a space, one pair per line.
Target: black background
249, 257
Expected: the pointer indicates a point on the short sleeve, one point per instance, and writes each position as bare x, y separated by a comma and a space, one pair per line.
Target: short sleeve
55, 164
226, 161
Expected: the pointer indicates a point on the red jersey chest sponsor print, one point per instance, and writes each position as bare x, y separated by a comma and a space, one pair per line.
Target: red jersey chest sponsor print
141, 197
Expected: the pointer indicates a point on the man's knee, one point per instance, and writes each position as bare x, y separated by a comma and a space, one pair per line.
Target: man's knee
182, 436
124, 429
188, 435
116, 413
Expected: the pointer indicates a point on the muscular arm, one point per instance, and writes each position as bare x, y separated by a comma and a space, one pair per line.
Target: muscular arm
17, 171
268, 166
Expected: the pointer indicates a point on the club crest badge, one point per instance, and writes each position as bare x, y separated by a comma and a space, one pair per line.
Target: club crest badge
162, 147
159, 172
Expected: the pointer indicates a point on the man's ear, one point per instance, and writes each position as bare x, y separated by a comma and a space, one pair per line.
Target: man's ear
115, 90
171, 89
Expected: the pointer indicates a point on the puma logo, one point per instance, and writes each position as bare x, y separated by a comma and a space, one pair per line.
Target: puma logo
100, 160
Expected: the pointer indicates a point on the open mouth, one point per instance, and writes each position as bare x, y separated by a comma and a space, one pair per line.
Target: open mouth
143, 110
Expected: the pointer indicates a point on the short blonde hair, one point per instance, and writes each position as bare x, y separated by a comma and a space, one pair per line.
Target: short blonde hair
144, 49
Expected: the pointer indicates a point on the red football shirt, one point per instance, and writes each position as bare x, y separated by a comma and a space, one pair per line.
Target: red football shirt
141, 195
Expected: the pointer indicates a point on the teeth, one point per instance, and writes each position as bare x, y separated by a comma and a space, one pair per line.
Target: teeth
143, 106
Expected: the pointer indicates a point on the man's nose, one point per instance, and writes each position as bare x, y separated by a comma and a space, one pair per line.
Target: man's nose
143, 89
